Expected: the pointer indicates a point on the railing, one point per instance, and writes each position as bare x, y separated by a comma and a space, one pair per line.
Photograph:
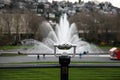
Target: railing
89, 65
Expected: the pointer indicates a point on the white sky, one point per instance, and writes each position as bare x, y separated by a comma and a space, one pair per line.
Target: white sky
114, 2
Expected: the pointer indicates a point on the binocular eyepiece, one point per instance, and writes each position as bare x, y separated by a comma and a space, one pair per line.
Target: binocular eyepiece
64, 46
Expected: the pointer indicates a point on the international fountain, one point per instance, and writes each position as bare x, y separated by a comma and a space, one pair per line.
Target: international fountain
63, 42
63, 33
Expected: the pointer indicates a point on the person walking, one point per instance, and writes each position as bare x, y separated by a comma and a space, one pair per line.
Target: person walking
80, 55
44, 56
38, 57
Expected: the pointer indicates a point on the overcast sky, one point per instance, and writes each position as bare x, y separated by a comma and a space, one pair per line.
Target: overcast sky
114, 2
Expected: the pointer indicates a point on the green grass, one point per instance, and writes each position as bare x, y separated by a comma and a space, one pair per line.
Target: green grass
9, 47
13, 47
107, 47
54, 74
10, 54
95, 74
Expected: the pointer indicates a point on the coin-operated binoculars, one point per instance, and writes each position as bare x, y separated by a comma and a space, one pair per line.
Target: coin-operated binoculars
64, 59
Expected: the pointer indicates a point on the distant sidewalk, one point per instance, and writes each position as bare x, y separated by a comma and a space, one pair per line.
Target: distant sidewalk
52, 58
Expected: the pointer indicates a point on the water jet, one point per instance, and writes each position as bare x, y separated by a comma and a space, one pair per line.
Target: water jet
63, 34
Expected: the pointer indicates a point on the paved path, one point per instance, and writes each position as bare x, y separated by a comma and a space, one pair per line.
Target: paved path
52, 58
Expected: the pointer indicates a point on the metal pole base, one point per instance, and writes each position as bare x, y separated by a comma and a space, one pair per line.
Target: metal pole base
64, 61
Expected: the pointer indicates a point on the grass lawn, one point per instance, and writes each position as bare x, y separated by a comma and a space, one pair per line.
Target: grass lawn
107, 47
11, 55
54, 74
13, 47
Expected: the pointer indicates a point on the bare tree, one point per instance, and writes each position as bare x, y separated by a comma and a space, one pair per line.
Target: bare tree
97, 26
7, 18
87, 22
17, 23
33, 22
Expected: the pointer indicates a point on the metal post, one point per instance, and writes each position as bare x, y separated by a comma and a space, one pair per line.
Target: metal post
55, 50
64, 62
74, 47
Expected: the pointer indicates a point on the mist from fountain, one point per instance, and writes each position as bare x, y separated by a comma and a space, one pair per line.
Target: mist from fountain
64, 33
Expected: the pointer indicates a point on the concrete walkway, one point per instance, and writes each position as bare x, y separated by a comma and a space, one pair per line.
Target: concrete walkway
52, 58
